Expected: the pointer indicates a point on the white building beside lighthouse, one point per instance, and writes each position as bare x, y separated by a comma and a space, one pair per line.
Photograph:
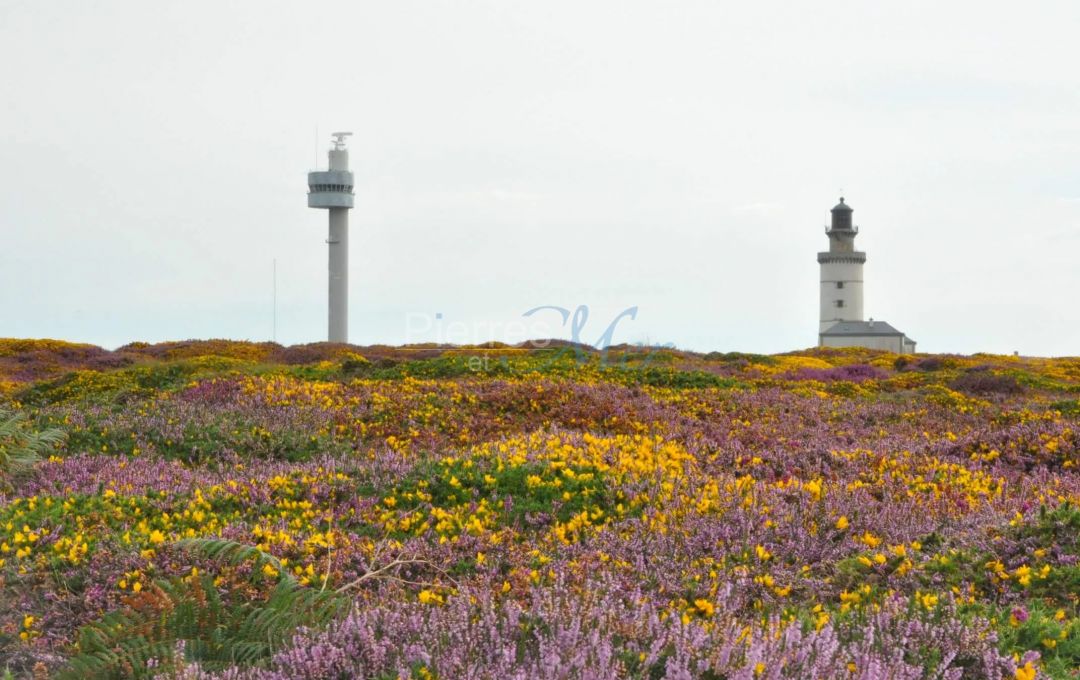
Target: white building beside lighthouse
841, 315
332, 190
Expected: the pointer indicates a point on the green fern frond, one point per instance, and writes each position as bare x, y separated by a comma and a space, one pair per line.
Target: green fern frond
214, 633
233, 553
20, 445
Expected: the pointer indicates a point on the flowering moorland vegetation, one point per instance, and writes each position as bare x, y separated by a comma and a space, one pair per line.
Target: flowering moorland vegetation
237, 510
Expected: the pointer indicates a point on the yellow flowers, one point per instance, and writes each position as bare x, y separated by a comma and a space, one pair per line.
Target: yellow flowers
821, 617
304, 575
870, 540
24, 536
1023, 575
72, 549
132, 580
704, 607
998, 569
319, 540
269, 571
870, 562
28, 631
842, 523
429, 597
1026, 672
813, 488
278, 482
156, 537
849, 597
927, 600
763, 554
759, 668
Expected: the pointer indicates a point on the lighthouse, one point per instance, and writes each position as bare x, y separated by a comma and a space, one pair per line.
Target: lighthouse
841, 271
332, 190
840, 323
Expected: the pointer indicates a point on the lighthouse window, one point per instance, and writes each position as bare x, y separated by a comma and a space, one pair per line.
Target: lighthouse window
839, 303
839, 284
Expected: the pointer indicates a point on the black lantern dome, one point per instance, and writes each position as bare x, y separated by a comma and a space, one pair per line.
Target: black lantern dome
841, 216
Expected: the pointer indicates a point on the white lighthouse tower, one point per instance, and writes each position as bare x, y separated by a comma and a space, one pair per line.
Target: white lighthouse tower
841, 321
332, 190
841, 271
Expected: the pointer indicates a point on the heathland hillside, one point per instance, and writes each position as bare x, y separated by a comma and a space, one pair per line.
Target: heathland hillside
247, 510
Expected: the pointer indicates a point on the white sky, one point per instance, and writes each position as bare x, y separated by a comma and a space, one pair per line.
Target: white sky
676, 156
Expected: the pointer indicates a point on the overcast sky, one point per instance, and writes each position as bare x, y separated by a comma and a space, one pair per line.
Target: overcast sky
680, 157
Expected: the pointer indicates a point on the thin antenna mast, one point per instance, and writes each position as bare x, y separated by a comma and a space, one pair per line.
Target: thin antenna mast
274, 336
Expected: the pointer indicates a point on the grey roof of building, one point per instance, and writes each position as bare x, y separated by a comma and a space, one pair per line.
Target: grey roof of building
861, 328
842, 207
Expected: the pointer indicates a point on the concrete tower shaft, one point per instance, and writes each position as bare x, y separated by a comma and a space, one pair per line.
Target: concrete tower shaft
332, 190
841, 271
